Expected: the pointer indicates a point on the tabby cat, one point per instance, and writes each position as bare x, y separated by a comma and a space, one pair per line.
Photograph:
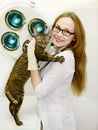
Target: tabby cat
14, 89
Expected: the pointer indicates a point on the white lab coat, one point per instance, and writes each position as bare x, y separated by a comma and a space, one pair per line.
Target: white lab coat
53, 94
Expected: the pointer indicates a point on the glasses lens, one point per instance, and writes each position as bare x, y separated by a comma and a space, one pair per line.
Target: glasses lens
66, 33
56, 29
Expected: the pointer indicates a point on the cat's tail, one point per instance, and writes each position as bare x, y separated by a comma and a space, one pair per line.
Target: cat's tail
10, 97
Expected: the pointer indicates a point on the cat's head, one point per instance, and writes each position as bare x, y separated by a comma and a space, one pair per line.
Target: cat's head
42, 39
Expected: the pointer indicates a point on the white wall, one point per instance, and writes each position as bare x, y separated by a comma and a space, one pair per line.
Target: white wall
86, 106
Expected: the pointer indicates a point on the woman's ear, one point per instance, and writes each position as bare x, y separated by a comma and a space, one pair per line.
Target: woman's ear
74, 40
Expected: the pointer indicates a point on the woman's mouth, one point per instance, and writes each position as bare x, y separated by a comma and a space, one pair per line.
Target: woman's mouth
58, 40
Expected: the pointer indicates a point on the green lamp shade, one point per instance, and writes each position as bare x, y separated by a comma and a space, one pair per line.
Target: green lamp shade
37, 24
15, 19
10, 41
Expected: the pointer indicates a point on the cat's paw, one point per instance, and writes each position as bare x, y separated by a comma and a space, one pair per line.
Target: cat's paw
61, 59
19, 123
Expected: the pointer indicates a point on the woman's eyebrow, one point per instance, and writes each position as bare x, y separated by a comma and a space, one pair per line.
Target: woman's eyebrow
68, 29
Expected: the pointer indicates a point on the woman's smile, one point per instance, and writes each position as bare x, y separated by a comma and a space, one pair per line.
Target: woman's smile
57, 39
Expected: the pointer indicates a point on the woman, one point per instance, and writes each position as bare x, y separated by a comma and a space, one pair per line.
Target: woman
52, 85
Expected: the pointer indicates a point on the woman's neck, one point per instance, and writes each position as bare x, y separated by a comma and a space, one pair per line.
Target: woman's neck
58, 49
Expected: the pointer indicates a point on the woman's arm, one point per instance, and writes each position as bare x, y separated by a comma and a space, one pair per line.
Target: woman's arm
35, 77
32, 64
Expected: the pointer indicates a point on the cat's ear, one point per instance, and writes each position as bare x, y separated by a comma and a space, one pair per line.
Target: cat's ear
35, 32
49, 34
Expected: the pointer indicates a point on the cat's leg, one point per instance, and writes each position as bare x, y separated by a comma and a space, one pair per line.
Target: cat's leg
16, 112
59, 59
10, 97
11, 108
44, 56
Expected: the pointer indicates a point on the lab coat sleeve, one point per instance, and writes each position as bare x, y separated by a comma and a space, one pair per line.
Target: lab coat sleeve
56, 75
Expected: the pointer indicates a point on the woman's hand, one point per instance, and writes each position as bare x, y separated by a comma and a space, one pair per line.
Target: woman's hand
32, 61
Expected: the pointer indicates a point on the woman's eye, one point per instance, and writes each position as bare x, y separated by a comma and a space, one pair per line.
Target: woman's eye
66, 31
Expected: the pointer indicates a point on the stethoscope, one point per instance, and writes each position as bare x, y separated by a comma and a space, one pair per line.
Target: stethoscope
43, 65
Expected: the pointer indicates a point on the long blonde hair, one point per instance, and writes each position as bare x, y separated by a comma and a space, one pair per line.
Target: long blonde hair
78, 48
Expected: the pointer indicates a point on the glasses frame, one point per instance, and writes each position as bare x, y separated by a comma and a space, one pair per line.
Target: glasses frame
58, 29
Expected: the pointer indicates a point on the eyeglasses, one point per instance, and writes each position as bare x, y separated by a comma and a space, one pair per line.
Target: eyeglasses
64, 32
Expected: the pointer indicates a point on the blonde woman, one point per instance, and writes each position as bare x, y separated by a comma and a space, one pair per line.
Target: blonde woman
53, 83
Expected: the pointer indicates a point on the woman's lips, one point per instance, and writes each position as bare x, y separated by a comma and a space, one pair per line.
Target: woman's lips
58, 40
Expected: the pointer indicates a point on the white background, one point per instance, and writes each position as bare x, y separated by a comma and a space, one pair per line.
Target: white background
86, 106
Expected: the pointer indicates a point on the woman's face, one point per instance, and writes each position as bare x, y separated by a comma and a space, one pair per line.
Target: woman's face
63, 32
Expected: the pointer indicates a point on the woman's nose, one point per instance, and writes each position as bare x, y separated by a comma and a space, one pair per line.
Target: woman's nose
59, 33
